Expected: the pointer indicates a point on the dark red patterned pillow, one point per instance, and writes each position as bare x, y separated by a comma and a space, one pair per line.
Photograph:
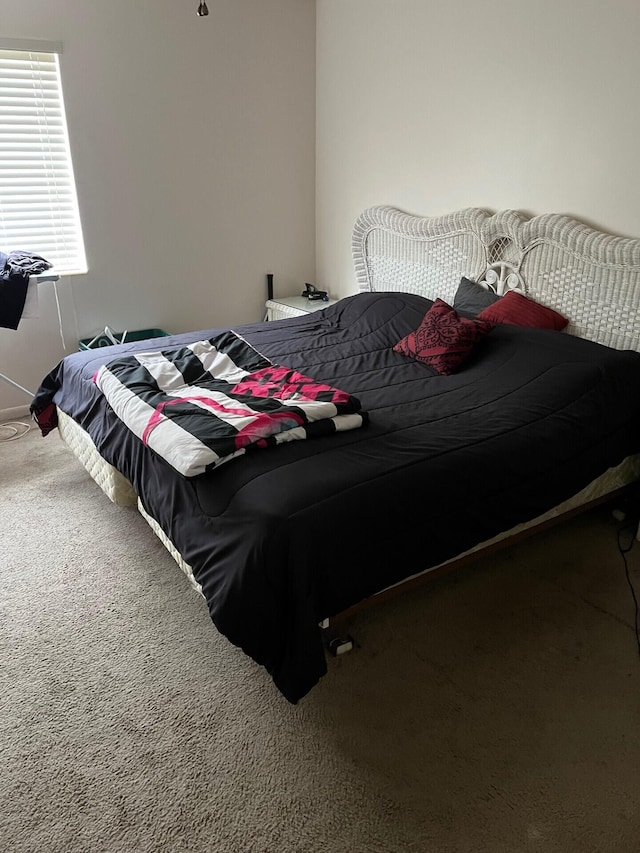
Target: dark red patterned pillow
443, 339
516, 309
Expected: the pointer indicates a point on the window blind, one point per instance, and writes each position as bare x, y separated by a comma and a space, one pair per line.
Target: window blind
38, 202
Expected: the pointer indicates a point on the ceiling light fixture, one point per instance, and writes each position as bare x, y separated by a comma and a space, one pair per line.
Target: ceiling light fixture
202, 9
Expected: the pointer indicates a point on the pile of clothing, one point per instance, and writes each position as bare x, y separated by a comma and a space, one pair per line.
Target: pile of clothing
15, 270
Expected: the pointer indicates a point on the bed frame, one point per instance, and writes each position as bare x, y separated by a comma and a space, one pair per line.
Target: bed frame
590, 277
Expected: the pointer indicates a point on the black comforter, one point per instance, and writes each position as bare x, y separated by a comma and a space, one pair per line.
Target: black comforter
290, 536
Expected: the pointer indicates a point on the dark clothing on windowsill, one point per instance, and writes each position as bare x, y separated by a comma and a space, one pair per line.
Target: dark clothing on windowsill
15, 270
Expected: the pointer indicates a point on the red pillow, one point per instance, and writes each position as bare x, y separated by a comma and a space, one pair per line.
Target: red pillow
443, 339
518, 310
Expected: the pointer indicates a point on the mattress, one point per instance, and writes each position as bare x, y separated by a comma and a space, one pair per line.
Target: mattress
120, 492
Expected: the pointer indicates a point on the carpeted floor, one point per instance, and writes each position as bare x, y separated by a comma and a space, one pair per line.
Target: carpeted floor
496, 710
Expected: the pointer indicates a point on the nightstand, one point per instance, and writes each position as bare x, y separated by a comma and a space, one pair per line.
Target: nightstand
293, 306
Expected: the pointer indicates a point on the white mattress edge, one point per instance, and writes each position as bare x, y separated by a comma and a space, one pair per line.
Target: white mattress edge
114, 484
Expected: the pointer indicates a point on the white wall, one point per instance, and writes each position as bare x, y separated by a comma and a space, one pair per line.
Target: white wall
193, 141
437, 105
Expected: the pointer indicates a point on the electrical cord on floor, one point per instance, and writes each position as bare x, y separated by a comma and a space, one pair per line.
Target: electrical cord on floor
17, 429
630, 527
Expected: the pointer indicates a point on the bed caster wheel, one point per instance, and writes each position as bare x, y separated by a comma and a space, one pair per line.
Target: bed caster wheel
341, 645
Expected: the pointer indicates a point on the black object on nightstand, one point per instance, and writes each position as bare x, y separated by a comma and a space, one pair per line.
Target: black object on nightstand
312, 292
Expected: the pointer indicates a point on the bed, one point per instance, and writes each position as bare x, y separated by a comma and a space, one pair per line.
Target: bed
531, 424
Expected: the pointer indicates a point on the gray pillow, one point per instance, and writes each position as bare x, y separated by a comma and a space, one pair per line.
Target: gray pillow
472, 297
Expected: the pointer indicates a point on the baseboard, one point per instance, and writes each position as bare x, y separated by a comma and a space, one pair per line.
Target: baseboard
15, 412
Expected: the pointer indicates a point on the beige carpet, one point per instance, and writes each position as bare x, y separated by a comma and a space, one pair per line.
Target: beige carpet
497, 710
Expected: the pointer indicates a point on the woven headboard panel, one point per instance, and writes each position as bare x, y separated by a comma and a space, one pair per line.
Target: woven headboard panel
590, 277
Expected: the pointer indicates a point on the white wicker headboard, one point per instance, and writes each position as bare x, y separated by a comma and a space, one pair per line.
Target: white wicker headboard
590, 277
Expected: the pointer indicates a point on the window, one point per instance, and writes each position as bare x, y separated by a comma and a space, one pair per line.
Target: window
38, 202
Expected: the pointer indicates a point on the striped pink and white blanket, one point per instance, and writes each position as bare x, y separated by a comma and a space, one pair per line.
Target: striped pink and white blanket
211, 401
